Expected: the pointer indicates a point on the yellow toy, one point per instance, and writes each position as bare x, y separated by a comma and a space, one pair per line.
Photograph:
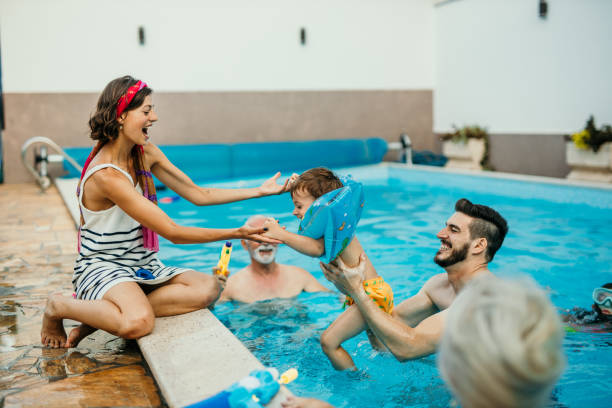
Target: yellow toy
288, 376
226, 252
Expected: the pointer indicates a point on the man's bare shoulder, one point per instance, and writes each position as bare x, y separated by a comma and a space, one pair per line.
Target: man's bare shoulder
435, 283
439, 290
303, 278
293, 269
295, 272
235, 284
239, 276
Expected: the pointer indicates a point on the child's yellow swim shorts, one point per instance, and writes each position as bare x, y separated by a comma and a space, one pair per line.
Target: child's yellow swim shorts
379, 291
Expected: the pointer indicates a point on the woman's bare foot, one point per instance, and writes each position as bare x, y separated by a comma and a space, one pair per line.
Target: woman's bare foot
52, 333
79, 333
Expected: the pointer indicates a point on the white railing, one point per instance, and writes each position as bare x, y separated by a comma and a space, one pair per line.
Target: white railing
39, 169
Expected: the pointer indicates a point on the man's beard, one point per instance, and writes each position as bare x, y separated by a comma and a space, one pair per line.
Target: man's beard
457, 255
266, 258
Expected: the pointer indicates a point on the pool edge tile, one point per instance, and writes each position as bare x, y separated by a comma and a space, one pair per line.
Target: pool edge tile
67, 189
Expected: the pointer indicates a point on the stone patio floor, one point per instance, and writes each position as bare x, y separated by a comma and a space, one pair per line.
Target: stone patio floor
37, 253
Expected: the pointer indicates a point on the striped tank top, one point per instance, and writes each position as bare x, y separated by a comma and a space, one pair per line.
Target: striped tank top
112, 250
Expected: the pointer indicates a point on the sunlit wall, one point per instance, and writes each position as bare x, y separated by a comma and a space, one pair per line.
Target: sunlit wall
220, 45
499, 64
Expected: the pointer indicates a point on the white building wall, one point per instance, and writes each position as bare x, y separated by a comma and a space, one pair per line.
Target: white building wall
498, 64
217, 45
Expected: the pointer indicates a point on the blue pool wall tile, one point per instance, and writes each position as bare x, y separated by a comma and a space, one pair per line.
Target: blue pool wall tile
201, 162
376, 148
223, 161
79, 154
260, 158
212, 159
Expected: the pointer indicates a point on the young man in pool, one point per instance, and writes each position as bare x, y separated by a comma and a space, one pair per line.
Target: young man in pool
265, 279
469, 241
305, 189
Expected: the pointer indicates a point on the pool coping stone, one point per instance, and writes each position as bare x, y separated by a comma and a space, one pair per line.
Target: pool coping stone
502, 175
194, 356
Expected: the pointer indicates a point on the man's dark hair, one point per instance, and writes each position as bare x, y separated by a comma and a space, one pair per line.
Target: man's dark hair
487, 224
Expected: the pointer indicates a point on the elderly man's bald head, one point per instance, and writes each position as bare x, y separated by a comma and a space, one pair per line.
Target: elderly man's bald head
256, 220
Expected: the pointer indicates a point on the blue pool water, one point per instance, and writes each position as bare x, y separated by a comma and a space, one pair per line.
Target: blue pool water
558, 234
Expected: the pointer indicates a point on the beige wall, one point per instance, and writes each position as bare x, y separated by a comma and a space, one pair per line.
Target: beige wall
226, 117
532, 154
535, 154
541, 77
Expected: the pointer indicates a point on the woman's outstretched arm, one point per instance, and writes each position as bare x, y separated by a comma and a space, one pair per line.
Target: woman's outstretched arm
114, 186
180, 183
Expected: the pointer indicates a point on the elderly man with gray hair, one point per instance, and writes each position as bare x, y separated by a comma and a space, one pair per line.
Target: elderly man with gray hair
265, 279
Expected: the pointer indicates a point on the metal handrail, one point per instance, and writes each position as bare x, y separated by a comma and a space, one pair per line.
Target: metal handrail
404, 146
42, 158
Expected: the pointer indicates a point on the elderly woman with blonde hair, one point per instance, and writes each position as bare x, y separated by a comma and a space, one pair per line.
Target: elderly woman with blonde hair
502, 345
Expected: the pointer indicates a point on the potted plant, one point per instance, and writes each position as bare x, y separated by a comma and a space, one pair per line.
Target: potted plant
467, 147
589, 153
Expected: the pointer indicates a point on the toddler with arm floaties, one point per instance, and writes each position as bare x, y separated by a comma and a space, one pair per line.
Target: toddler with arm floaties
329, 209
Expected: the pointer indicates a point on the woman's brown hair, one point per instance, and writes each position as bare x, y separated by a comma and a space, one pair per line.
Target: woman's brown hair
103, 123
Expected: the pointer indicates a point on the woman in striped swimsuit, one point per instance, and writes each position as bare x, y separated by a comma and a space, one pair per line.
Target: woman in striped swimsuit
120, 283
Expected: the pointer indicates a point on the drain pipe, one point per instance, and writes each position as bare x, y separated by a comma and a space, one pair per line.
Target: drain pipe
406, 149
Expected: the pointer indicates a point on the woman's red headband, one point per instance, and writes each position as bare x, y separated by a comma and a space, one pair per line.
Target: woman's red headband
125, 100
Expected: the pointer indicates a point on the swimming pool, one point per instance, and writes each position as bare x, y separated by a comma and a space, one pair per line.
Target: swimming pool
558, 235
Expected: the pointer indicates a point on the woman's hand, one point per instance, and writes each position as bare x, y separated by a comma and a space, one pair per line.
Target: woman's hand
255, 234
271, 187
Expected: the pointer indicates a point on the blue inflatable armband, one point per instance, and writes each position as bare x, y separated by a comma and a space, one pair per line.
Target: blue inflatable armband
334, 217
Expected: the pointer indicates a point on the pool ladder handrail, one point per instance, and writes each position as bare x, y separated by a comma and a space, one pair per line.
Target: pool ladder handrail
405, 147
42, 158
